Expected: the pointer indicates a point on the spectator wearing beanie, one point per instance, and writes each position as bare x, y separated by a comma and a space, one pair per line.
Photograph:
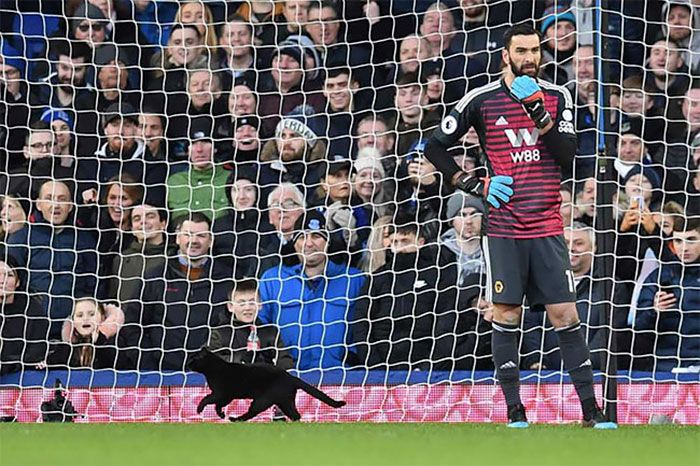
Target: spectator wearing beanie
244, 147
558, 30
14, 106
631, 148
63, 127
123, 152
312, 301
115, 78
296, 153
202, 187
465, 214
371, 193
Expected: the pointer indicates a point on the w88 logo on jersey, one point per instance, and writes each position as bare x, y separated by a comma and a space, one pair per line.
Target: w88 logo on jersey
526, 156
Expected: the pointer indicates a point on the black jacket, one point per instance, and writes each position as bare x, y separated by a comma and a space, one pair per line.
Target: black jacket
64, 354
395, 322
239, 235
125, 278
177, 313
24, 328
230, 341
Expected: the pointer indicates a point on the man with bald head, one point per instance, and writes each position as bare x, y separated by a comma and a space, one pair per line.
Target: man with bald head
60, 257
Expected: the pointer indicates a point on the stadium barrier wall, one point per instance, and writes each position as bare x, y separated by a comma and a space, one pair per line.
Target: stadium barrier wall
110, 396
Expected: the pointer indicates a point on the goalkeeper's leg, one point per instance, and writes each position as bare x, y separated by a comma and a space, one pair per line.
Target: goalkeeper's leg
504, 344
577, 361
506, 275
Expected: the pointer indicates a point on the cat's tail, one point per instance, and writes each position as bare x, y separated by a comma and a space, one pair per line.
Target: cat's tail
318, 394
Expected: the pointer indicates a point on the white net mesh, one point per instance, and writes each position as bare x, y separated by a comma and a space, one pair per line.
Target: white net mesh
157, 156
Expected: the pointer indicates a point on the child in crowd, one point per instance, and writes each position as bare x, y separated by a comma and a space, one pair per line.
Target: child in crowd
88, 337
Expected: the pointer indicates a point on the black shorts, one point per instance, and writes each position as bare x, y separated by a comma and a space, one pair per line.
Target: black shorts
537, 268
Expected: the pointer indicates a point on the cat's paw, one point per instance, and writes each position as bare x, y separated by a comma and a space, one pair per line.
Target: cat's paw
220, 413
200, 408
235, 419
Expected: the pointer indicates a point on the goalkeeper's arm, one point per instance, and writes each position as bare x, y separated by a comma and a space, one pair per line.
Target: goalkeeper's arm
495, 190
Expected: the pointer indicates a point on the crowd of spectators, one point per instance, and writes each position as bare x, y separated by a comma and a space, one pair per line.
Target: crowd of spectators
249, 175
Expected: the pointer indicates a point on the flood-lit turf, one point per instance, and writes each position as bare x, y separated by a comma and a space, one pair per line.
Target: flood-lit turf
347, 444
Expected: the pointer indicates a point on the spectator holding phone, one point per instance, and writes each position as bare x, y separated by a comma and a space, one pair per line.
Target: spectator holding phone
669, 303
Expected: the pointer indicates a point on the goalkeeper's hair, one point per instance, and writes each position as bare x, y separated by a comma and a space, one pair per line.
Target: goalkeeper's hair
522, 29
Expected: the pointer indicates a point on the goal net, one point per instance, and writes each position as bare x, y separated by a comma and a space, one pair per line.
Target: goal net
250, 177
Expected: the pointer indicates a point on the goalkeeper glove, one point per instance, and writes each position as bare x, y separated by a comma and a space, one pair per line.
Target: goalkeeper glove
526, 89
495, 190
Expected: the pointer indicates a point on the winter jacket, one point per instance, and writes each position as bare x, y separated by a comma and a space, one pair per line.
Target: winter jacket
125, 280
677, 330
24, 330
468, 263
238, 235
198, 191
396, 320
232, 341
61, 262
312, 314
178, 313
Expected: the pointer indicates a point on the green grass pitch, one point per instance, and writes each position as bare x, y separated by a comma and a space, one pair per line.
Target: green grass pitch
344, 444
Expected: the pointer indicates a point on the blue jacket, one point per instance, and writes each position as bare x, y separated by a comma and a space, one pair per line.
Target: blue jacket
312, 315
60, 262
678, 330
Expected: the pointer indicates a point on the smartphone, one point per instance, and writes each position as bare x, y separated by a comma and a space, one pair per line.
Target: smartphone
639, 200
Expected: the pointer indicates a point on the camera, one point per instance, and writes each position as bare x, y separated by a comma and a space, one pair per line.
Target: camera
58, 409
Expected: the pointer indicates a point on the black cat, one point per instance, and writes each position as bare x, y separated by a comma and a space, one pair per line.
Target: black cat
267, 385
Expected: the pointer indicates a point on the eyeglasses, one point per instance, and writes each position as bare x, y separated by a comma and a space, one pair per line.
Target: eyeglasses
85, 27
39, 145
289, 204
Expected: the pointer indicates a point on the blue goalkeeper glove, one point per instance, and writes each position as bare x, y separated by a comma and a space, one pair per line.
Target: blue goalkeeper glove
495, 190
529, 93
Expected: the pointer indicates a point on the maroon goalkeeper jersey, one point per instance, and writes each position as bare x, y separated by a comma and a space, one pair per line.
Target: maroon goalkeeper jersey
513, 147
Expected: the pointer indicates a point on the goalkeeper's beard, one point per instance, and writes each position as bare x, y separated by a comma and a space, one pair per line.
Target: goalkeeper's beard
518, 71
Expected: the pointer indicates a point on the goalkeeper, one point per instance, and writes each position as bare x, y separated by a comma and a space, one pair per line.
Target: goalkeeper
526, 129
